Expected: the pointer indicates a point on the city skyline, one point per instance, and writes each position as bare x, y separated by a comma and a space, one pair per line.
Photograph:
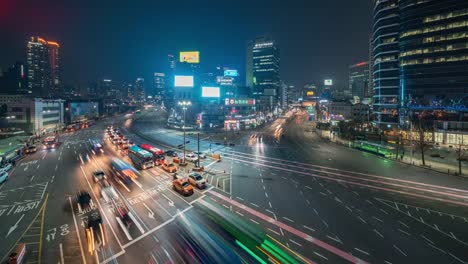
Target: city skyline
306, 36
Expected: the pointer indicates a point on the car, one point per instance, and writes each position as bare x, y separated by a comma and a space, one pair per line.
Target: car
171, 153
124, 214
99, 176
108, 192
182, 186
197, 180
31, 149
115, 141
191, 157
169, 167
95, 232
131, 143
6, 167
3, 176
200, 154
84, 201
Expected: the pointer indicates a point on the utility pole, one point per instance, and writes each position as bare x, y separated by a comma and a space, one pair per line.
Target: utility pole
198, 149
184, 105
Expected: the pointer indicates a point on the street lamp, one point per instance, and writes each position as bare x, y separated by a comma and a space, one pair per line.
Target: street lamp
184, 105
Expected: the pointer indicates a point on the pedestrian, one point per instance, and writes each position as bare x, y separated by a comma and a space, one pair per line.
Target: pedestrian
13, 163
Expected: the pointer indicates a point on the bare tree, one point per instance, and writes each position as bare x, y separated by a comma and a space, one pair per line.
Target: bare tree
461, 155
421, 142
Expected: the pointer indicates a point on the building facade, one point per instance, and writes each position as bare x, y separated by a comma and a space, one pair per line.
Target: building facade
15, 80
44, 72
263, 65
33, 115
359, 79
385, 52
159, 85
433, 54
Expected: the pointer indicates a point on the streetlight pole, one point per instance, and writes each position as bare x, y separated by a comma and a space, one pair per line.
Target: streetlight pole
184, 105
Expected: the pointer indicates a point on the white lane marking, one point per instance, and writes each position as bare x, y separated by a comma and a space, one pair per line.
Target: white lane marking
427, 239
360, 218
124, 228
32, 178
311, 229
294, 242
290, 220
453, 235
378, 219
239, 213
335, 239
383, 211
269, 203
254, 205
325, 223
142, 231
404, 232
266, 194
254, 221
56, 167
308, 187
26, 168
461, 261
62, 261
403, 224
399, 250
338, 200
264, 188
322, 256
347, 207
240, 198
443, 251
362, 251
271, 230
77, 232
308, 203
39, 165
378, 233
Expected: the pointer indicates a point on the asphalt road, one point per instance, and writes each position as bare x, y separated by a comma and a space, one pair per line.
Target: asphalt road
315, 201
375, 209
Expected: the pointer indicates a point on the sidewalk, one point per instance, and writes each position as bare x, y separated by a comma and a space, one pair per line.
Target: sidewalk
415, 160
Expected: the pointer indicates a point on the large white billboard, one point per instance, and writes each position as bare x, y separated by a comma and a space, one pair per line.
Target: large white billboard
210, 92
183, 81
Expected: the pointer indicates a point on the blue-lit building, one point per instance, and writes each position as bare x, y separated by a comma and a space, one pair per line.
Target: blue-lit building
433, 55
386, 82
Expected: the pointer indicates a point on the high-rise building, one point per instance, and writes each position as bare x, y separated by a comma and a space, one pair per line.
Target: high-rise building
359, 79
433, 54
14, 80
44, 72
139, 90
263, 74
386, 30
159, 85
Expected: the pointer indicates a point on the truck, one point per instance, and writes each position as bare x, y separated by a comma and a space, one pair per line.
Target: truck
141, 158
158, 154
123, 172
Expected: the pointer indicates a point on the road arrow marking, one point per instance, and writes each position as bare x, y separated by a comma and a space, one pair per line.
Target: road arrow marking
14, 226
150, 213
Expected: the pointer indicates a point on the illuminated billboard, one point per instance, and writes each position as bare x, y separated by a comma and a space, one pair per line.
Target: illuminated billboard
328, 82
183, 81
231, 73
190, 56
239, 102
83, 110
310, 93
210, 92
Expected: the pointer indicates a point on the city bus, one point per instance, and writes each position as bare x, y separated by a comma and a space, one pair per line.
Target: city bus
123, 172
141, 158
96, 146
158, 154
50, 142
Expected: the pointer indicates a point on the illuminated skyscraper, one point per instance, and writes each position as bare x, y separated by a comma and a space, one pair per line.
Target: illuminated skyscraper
263, 74
385, 52
359, 79
43, 59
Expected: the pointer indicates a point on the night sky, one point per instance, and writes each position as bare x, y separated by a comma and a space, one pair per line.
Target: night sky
123, 40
